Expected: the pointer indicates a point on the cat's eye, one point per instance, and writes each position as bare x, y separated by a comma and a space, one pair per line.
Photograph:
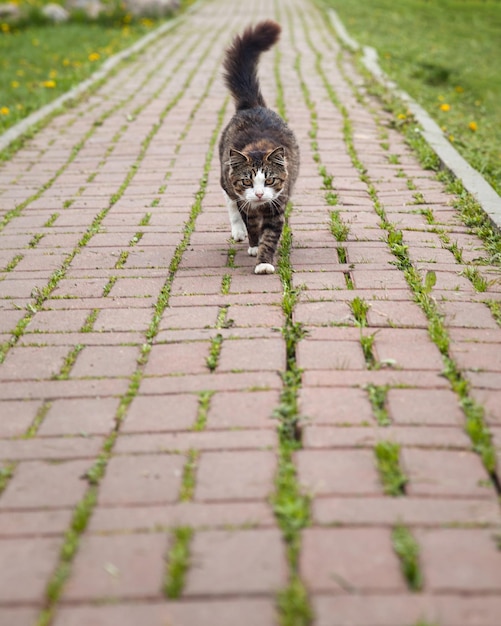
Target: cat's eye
246, 182
269, 181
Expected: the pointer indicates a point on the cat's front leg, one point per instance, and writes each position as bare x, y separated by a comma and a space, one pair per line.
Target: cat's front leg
268, 243
238, 229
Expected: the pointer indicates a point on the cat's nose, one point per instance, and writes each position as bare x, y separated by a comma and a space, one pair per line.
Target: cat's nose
259, 194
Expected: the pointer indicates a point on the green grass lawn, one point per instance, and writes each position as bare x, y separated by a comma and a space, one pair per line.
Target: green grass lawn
446, 54
41, 61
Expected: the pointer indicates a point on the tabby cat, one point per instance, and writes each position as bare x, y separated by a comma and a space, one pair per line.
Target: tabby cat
258, 152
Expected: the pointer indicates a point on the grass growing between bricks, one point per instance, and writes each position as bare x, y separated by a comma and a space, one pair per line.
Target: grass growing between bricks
407, 550
178, 561
290, 505
388, 464
475, 426
96, 472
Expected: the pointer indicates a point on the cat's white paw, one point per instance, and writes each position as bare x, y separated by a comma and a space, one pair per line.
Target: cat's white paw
253, 250
239, 232
264, 268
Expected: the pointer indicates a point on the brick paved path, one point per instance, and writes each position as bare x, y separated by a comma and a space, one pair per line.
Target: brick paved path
145, 479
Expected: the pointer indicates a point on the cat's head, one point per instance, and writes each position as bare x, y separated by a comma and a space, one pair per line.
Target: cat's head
258, 177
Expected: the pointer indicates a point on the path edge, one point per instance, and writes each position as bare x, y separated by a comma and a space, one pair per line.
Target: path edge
449, 157
22, 127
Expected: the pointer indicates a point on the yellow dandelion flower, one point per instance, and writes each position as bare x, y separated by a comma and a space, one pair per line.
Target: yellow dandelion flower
473, 126
4, 111
445, 107
94, 56
49, 84
451, 138
402, 116
4, 27
14, 84
53, 74
35, 42
66, 62
459, 89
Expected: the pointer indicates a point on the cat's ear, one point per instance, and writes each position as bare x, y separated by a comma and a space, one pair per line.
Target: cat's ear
276, 156
237, 158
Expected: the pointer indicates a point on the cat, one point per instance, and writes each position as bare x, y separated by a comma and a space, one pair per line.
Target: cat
259, 154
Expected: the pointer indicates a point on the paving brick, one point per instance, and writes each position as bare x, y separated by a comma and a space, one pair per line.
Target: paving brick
80, 416
105, 361
230, 562
18, 617
421, 511
467, 314
57, 321
340, 355
37, 484
323, 313
424, 406
122, 566
49, 448
336, 406
397, 345
256, 315
143, 287
26, 567
34, 523
33, 363
477, 356
203, 440
123, 320
338, 472
17, 416
242, 611
445, 472
350, 560
252, 354
235, 475
243, 409
141, 479
189, 317
178, 358
161, 413
457, 559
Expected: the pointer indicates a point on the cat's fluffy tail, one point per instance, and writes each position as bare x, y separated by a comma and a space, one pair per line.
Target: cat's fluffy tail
241, 62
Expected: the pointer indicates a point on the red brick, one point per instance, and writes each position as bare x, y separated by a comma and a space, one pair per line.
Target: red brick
121, 566
424, 406
142, 479
378, 279
123, 320
320, 280
37, 484
161, 413
178, 358
336, 406
350, 560
17, 417
355, 436
105, 361
27, 565
410, 349
80, 416
82, 288
18, 617
252, 354
396, 314
243, 410
377, 511
481, 356
245, 561
467, 314
34, 523
256, 315
189, 317
195, 514
235, 475
144, 287
338, 472
242, 611
445, 472
33, 363
225, 381
49, 448
457, 559
323, 313
323, 355
203, 440
57, 321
